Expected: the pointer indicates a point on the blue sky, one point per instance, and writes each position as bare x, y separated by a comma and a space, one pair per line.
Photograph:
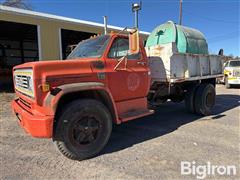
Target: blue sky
218, 20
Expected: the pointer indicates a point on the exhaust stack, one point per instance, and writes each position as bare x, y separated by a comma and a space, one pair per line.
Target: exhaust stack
105, 24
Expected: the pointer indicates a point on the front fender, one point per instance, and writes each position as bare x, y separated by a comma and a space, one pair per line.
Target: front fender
52, 99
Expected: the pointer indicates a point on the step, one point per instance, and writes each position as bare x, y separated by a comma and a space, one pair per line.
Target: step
134, 114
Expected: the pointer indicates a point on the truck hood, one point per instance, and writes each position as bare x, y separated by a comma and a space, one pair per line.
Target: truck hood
29, 77
52, 70
233, 68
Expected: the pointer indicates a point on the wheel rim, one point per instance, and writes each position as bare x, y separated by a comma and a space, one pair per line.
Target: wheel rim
210, 99
85, 131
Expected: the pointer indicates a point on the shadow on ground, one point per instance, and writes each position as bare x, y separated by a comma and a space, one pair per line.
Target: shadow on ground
168, 118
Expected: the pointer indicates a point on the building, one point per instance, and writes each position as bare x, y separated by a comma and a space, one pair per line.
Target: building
31, 36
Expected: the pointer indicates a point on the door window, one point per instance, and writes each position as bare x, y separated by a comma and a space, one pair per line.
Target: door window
120, 48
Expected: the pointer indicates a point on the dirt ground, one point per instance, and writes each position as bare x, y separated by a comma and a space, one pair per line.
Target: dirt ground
148, 148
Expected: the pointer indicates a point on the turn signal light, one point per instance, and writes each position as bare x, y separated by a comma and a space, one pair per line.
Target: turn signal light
45, 87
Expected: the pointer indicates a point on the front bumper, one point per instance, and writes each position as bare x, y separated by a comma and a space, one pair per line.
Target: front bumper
33, 123
234, 80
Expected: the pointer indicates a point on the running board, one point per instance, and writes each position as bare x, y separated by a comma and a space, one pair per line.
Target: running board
134, 114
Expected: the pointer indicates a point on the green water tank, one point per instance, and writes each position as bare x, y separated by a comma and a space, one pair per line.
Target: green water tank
188, 40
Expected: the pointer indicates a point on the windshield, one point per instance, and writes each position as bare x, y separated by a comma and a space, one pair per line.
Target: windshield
90, 48
234, 63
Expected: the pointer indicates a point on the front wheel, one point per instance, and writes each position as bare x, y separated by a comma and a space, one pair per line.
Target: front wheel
83, 129
227, 85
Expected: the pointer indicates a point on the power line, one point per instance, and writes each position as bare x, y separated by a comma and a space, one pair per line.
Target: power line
230, 35
210, 19
217, 41
225, 35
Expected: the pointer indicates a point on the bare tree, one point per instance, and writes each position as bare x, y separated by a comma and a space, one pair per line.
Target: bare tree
231, 55
22, 4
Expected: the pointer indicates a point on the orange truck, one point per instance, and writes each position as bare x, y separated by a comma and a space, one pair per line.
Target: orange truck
106, 80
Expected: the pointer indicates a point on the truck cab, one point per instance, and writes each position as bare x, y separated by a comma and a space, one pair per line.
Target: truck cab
232, 73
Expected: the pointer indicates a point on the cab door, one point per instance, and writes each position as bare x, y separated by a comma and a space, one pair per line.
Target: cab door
130, 80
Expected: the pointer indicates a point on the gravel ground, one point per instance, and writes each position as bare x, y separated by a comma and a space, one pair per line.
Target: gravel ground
148, 148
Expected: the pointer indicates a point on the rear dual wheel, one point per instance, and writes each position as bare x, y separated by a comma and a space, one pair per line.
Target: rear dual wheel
190, 98
83, 129
200, 99
204, 99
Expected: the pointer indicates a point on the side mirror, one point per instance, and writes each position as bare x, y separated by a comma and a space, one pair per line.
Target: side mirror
134, 42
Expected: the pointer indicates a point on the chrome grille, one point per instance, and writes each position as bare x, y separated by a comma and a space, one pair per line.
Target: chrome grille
22, 81
236, 73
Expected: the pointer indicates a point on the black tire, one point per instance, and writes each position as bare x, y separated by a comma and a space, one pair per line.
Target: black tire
189, 98
227, 85
83, 129
205, 99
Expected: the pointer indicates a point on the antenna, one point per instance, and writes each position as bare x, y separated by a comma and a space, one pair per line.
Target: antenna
105, 24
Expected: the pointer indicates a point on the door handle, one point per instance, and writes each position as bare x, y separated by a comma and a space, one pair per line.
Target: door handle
141, 63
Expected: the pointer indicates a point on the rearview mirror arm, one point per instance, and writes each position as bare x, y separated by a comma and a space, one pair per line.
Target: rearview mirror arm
120, 61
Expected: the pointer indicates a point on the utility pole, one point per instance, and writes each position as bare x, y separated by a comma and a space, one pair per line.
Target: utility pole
180, 13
